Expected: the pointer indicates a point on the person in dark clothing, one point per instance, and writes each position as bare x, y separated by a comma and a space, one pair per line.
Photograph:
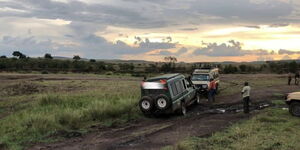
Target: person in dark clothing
297, 75
246, 97
145, 78
289, 78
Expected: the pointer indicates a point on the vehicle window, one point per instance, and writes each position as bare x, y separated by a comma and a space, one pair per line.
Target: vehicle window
174, 90
179, 87
187, 83
184, 85
200, 77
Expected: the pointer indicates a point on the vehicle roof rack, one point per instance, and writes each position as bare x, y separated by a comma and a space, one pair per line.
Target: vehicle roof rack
165, 76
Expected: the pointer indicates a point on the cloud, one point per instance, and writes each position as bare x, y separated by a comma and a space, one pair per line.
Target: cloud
288, 52
29, 46
179, 52
146, 44
90, 46
276, 25
252, 26
233, 48
264, 58
214, 49
77, 26
151, 14
189, 29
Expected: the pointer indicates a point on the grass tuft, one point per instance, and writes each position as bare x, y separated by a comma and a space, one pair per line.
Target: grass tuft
70, 119
50, 100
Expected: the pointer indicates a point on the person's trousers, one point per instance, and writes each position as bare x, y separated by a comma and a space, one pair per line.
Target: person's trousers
289, 81
246, 104
211, 95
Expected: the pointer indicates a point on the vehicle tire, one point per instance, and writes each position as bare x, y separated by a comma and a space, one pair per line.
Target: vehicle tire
162, 102
146, 105
182, 110
295, 109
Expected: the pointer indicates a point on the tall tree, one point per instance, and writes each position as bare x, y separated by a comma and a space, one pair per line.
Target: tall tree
76, 57
48, 56
170, 66
18, 54
3, 56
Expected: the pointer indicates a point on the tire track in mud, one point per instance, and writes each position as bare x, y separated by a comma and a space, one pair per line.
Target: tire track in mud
201, 121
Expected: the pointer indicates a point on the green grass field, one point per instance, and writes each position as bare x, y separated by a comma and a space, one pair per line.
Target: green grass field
65, 106
36, 110
271, 129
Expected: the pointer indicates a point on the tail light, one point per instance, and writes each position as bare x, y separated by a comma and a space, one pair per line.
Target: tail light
163, 81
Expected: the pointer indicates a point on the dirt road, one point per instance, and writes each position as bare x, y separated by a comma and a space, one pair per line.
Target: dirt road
155, 133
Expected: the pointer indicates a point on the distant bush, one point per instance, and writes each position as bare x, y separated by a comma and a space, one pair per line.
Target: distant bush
109, 73
44, 72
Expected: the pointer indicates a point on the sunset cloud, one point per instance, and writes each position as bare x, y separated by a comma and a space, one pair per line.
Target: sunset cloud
152, 28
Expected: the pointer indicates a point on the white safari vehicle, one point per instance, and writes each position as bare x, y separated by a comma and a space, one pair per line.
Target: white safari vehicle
293, 100
200, 78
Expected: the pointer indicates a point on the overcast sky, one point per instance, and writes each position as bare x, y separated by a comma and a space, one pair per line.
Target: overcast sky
191, 30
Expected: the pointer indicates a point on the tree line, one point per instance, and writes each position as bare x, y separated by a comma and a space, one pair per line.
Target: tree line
45, 64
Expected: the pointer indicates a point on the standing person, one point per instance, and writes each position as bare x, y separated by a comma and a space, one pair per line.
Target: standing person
297, 78
145, 78
211, 90
289, 78
246, 97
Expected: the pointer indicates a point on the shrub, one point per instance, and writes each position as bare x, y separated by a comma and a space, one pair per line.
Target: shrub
44, 72
109, 73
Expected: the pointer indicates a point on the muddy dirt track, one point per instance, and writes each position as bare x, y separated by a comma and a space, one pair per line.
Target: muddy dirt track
156, 133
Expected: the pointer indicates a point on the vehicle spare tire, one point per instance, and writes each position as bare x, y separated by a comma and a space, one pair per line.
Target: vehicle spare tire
162, 102
295, 109
146, 104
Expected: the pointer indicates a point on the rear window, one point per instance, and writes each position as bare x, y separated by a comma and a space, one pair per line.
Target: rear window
174, 89
179, 87
200, 77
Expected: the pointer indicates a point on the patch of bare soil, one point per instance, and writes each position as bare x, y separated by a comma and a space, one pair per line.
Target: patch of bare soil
155, 133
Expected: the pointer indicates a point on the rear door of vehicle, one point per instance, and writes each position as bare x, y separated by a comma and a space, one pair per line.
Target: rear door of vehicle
177, 90
189, 92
